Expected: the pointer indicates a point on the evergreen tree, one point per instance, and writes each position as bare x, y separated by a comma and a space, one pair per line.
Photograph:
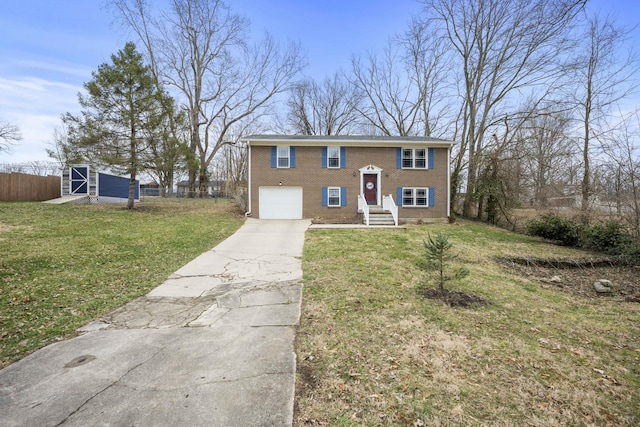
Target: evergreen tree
437, 256
122, 116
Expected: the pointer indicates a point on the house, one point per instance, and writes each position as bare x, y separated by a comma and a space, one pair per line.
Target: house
214, 188
150, 188
348, 178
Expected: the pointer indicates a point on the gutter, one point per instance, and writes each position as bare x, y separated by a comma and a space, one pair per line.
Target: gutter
248, 212
448, 183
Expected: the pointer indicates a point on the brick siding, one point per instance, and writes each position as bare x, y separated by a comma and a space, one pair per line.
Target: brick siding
310, 175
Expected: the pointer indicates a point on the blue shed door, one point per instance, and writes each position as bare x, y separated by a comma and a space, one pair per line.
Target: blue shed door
79, 180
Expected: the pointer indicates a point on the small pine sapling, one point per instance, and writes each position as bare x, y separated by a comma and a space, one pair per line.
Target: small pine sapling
437, 256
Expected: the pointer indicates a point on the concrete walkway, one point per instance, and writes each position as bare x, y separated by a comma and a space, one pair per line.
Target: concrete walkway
211, 346
66, 199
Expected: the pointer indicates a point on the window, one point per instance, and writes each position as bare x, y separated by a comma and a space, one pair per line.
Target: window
334, 196
283, 156
420, 158
415, 196
333, 157
414, 158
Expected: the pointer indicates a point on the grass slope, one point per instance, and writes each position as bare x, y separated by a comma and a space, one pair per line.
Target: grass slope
63, 265
371, 351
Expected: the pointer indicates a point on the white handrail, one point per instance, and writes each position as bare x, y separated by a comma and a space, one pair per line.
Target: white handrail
388, 204
364, 207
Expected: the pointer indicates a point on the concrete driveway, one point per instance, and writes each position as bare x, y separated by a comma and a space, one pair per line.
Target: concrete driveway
211, 346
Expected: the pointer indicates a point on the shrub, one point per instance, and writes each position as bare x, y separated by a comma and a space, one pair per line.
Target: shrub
631, 253
553, 227
608, 237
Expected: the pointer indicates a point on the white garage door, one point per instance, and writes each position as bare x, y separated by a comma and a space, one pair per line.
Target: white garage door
280, 202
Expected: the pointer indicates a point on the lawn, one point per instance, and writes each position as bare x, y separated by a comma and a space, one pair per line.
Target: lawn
372, 351
62, 266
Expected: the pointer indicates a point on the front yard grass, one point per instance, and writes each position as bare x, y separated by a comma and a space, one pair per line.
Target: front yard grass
62, 266
372, 351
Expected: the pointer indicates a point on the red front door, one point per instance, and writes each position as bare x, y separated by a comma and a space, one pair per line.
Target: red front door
370, 182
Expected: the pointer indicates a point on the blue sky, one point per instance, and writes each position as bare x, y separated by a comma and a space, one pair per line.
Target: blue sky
50, 47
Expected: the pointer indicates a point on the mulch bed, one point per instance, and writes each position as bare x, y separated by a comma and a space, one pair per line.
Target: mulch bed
578, 275
454, 298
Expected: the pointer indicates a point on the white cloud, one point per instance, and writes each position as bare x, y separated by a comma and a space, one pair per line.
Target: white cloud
80, 72
35, 106
37, 135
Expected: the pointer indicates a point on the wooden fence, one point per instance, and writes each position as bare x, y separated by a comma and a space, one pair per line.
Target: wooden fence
24, 187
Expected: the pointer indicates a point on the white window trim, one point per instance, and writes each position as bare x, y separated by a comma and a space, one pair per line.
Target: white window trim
413, 158
329, 158
278, 157
339, 190
413, 197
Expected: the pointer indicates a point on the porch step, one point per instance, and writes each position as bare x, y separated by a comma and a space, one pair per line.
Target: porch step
380, 218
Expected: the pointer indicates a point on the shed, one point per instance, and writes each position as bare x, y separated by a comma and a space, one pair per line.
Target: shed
98, 187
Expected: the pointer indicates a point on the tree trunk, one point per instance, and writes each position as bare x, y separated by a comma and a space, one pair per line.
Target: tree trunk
480, 208
132, 191
133, 168
586, 181
203, 178
192, 164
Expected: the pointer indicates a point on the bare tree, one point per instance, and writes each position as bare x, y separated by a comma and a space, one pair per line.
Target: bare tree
35, 167
603, 75
499, 173
329, 108
502, 47
167, 147
392, 100
428, 67
66, 148
547, 149
230, 167
623, 151
201, 49
238, 156
9, 134
42, 168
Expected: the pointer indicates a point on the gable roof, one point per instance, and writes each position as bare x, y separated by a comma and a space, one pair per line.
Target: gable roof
346, 140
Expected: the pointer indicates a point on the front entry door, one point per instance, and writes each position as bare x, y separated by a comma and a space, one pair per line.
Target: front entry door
370, 182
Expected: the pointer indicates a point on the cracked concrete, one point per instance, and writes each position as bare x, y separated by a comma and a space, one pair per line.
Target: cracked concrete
212, 345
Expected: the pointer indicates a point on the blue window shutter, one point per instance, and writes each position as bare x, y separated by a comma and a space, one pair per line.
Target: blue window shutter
343, 196
274, 157
399, 196
432, 196
324, 157
398, 158
343, 157
325, 196
292, 157
430, 157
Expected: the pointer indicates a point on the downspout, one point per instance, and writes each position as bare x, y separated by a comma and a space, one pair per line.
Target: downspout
248, 212
449, 183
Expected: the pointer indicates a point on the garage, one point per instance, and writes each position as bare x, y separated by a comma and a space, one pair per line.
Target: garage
280, 202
